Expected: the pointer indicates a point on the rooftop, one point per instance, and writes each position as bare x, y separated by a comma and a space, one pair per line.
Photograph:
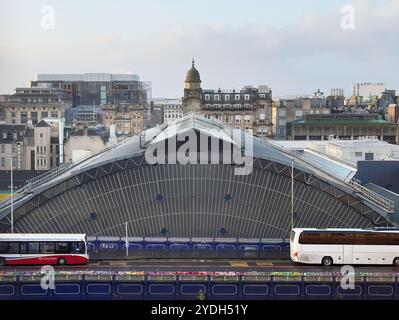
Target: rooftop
86, 77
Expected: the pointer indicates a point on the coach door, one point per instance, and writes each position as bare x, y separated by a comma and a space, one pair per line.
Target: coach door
348, 254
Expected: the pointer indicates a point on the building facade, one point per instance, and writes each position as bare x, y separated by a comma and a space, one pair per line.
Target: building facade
171, 108
98, 88
288, 110
84, 142
34, 105
128, 119
343, 126
365, 92
32, 148
248, 109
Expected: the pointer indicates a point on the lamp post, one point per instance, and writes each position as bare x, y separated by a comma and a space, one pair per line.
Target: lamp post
12, 182
292, 195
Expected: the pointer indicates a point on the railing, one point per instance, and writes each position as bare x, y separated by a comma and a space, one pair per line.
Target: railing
387, 204
47, 176
43, 178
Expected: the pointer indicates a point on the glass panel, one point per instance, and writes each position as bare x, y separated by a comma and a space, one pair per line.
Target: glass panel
23, 246
78, 247
47, 247
3, 247
62, 247
13, 248
33, 247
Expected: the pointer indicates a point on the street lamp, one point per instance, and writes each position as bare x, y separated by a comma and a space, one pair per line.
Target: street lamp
292, 195
12, 180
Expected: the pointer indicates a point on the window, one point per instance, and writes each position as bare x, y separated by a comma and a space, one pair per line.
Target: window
62, 247
44, 114
237, 97
33, 247
3, 148
24, 117
78, 247
3, 162
3, 247
207, 97
23, 248
54, 114
358, 154
227, 97
34, 117
47, 247
216, 97
13, 248
246, 97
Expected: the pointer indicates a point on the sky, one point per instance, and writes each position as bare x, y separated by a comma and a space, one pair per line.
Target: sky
293, 46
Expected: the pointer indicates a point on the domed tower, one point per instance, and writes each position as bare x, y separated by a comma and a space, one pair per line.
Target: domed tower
192, 100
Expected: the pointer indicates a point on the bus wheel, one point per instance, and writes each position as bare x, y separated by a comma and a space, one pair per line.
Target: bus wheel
62, 262
2, 262
396, 262
327, 261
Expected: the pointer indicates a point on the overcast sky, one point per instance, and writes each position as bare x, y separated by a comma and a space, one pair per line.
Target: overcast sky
294, 46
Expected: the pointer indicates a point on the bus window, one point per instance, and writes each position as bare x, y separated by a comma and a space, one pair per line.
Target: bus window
33, 247
13, 247
62, 247
3, 247
23, 248
78, 247
47, 247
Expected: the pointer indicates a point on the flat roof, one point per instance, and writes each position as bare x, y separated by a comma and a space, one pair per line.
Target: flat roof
99, 77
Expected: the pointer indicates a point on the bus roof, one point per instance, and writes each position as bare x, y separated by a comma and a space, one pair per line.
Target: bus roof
41, 237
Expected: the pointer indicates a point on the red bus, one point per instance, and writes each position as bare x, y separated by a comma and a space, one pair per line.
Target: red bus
43, 249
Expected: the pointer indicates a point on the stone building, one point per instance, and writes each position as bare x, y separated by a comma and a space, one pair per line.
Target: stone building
128, 119
291, 109
249, 109
33, 148
171, 109
34, 105
84, 142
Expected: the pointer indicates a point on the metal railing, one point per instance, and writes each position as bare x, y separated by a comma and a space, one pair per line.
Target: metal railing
43, 178
387, 204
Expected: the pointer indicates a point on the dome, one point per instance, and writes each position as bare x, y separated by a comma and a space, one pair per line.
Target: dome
193, 75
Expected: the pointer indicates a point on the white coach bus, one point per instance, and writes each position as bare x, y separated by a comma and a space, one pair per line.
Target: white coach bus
345, 246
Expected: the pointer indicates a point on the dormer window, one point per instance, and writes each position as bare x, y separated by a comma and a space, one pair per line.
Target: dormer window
227, 97
207, 97
237, 97
246, 97
217, 97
